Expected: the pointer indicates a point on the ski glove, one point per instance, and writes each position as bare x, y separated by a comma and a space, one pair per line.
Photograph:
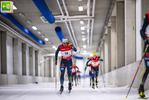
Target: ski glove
70, 44
146, 41
55, 62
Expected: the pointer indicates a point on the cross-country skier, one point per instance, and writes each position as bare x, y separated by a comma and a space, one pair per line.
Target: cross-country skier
145, 36
66, 61
74, 71
95, 63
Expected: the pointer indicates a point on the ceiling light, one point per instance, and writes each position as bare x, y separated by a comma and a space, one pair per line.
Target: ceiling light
14, 7
46, 39
39, 32
82, 28
53, 46
83, 39
81, 22
80, 8
87, 30
28, 22
79, 0
83, 32
84, 46
91, 55
34, 27
83, 36
85, 51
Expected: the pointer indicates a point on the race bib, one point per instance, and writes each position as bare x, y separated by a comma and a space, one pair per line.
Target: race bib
73, 70
66, 53
95, 63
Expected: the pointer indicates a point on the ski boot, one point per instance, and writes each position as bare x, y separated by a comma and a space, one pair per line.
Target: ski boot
69, 87
93, 86
61, 89
90, 81
141, 91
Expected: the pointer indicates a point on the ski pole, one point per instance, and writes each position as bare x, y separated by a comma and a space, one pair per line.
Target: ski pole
56, 77
102, 77
137, 70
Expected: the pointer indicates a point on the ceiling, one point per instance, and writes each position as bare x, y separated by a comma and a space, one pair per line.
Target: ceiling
94, 15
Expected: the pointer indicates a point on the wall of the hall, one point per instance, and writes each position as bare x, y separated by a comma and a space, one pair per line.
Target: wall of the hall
124, 76
126, 45
35, 70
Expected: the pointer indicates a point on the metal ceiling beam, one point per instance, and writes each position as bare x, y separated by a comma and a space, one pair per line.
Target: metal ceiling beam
92, 33
70, 23
88, 35
109, 12
65, 21
88, 8
93, 14
57, 21
79, 16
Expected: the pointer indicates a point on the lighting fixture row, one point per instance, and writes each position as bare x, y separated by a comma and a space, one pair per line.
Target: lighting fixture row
29, 22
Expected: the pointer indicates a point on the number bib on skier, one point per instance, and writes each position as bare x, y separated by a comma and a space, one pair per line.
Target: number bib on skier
94, 64
73, 70
66, 54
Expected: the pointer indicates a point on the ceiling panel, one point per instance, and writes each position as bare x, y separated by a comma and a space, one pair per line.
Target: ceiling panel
30, 11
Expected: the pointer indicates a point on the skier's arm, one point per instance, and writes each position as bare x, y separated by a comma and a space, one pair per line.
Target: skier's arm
101, 59
74, 49
143, 28
56, 54
78, 68
88, 62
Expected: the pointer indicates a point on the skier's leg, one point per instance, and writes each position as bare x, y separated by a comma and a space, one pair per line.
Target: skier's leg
144, 75
69, 72
62, 69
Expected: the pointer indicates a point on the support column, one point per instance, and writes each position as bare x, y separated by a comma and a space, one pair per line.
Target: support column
24, 58
0, 50
106, 53
138, 36
49, 66
15, 56
120, 34
113, 43
46, 67
52, 67
101, 56
109, 49
104, 65
4, 53
36, 62
31, 61
130, 31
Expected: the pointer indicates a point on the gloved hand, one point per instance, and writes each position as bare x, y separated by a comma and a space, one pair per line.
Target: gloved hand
70, 44
55, 62
146, 41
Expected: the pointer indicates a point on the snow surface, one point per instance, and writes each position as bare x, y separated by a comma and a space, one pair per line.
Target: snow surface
47, 91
